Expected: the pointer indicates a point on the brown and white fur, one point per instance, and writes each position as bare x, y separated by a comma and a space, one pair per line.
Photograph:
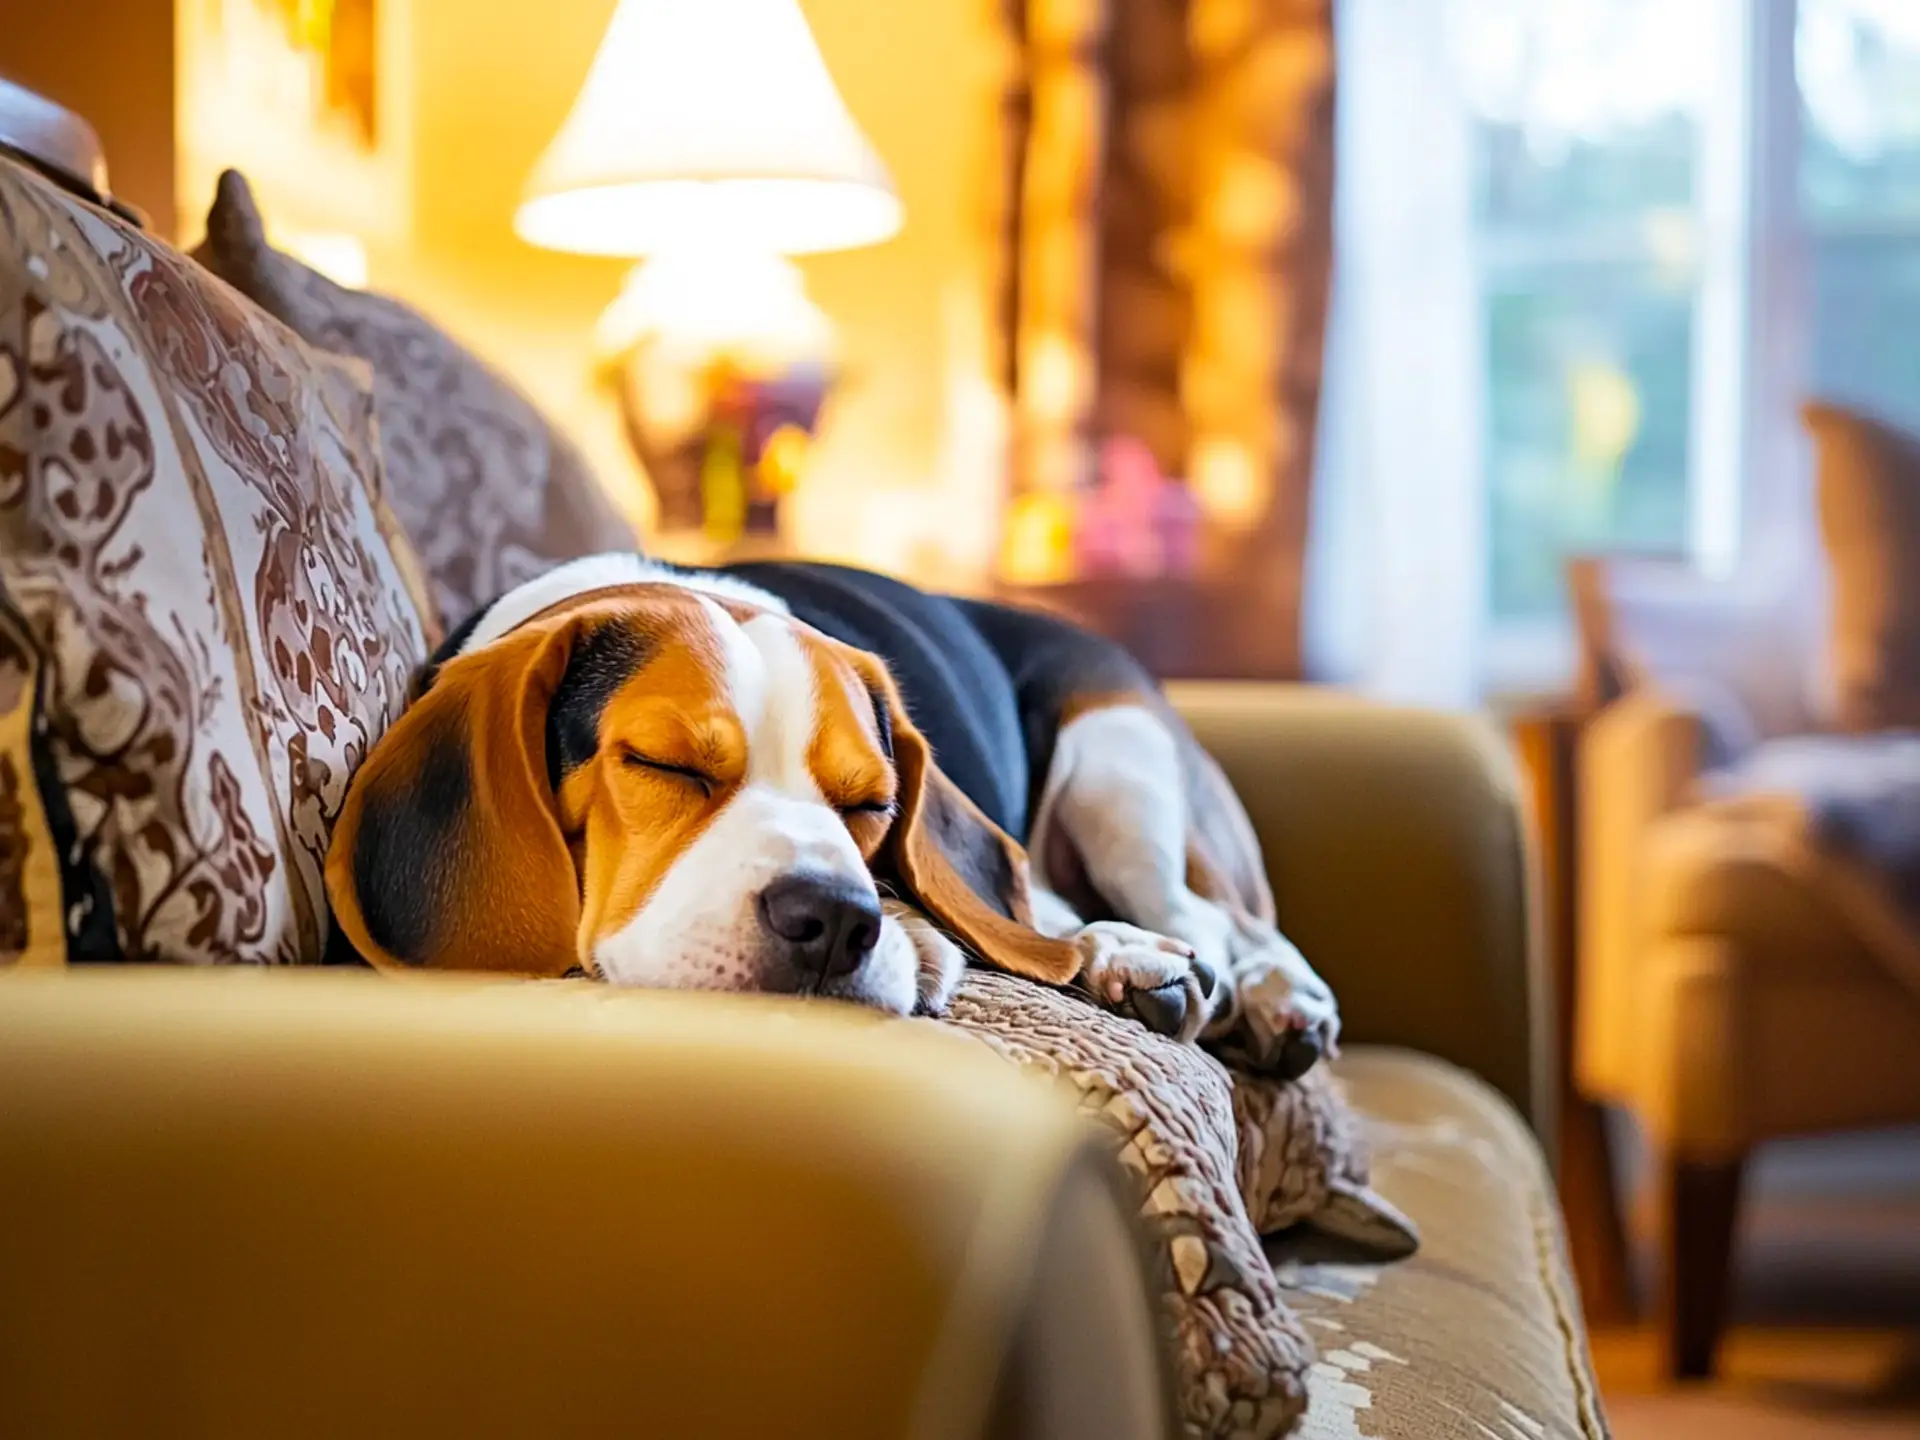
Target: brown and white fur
664, 778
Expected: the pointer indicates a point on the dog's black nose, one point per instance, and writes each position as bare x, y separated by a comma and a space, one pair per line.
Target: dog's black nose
825, 925
1300, 1053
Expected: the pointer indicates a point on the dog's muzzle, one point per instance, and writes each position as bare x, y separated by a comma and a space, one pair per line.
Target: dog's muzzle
821, 927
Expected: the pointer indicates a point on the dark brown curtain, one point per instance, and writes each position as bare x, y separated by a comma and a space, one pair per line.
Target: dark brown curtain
1168, 222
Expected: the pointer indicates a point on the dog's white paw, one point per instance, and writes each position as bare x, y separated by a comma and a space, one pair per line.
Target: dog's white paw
1147, 976
1284, 1016
938, 961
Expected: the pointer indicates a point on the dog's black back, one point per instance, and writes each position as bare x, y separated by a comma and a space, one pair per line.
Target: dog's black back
988, 685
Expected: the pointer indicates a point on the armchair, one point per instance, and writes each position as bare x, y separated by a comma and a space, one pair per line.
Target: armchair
1729, 992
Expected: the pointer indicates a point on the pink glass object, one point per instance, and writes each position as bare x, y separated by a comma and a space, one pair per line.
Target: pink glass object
1178, 521
1096, 536
1117, 531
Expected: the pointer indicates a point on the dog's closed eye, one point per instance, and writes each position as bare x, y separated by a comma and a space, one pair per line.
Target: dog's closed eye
868, 821
635, 760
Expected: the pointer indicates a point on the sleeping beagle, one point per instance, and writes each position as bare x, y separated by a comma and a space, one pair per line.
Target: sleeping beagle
807, 779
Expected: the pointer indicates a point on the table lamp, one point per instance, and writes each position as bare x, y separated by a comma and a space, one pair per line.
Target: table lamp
710, 143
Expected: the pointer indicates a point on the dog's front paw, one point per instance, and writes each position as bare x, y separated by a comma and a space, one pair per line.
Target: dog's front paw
1149, 977
938, 961
1286, 1019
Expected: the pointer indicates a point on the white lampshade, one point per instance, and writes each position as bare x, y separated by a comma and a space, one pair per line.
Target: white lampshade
706, 121
745, 303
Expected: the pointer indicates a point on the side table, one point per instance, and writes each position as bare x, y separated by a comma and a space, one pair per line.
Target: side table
1546, 736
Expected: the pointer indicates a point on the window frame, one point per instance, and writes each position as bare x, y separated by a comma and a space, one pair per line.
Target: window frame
1750, 309
1400, 598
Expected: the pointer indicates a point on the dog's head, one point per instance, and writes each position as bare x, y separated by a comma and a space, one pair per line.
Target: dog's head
668, 788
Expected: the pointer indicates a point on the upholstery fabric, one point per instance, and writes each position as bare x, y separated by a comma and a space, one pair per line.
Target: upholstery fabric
490, 493
320, 1203
500, 1150
1868, 476
1723, 943
1480, 1333
1219, 1158
1638, 760
1851, 803
1399, 862
204, 600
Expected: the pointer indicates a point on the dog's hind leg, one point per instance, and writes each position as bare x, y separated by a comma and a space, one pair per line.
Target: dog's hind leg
1113, 834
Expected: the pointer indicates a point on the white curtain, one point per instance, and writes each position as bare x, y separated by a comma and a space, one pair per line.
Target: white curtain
1396, 570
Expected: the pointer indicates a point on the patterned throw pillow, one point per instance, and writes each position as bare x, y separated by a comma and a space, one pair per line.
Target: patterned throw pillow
490, 493
1224, 1161
206, 610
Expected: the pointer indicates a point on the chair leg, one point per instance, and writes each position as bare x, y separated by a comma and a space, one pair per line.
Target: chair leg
1595, 1233
1703, 1206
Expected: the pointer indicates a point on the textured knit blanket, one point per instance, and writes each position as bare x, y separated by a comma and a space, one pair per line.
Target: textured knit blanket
1844, 812
1223, 1159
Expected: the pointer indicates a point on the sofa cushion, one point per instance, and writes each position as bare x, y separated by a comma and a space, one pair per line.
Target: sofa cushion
1748, 869
1480, 1333
489, 491
205, 610
1739, 653
1869, 486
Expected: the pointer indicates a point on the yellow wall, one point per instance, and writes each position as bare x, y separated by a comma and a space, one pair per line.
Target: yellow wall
491, 79
904, 475
124, 88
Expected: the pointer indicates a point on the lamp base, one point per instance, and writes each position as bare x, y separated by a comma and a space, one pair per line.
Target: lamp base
722, 366
720, 467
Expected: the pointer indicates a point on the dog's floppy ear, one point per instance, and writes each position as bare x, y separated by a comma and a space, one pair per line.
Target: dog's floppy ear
957, 865
448, 852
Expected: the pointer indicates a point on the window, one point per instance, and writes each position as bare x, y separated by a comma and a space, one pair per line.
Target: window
1662, 223
1858, 63
1584, 123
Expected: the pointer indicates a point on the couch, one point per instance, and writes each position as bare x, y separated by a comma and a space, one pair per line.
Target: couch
310, 1203
255, 1199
